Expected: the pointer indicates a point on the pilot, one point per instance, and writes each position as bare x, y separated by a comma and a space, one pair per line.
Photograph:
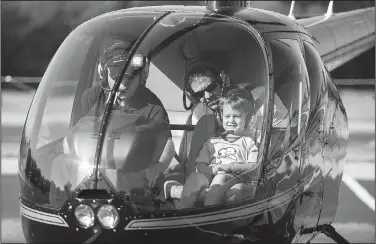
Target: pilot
133, 98
203, 87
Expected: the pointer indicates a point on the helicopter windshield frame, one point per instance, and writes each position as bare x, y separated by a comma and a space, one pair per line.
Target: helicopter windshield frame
168, 36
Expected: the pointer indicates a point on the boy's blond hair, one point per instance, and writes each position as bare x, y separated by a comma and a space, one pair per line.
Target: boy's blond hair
239, 99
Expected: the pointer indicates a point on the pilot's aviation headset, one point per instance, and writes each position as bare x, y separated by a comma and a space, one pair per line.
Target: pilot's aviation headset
204, 68
114, 56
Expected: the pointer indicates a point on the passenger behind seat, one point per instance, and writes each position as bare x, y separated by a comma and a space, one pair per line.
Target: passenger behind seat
198, 111
203, 87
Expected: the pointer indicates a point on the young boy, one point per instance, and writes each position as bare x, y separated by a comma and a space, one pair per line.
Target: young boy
221, 158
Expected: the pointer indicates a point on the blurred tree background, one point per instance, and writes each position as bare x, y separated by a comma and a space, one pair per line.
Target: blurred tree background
31, 32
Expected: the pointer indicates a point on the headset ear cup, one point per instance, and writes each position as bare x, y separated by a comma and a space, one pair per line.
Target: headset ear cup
102, 74
185, 102
191, 97
100, 71
188, 92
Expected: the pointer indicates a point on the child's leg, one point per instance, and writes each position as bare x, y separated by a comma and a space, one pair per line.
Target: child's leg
194, 183
240, 191
191, 190
218, 189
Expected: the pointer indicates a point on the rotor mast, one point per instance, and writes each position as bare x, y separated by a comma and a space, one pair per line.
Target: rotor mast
218, 6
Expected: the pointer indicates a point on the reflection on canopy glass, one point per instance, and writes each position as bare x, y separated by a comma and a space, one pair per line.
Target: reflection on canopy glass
146, 125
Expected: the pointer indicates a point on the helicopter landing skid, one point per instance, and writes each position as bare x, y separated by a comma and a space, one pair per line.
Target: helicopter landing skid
330, 232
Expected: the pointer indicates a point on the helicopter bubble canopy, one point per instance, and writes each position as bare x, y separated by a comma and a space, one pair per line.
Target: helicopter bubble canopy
77, 138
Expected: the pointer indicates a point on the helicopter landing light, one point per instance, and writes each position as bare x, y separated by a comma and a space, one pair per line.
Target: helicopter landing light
108, 216
137, 61
84, 215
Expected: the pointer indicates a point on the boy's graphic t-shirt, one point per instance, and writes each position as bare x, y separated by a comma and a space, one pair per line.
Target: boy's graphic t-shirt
218, 150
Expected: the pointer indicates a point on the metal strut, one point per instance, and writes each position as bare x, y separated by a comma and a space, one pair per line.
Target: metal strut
330, 232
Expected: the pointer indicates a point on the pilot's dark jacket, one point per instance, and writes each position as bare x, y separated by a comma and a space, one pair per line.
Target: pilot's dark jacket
143, 102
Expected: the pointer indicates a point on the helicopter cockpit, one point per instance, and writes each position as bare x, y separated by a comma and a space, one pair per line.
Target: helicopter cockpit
66, 153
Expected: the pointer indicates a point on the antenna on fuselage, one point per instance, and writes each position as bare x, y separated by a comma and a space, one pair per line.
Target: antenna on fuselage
291, 14
329, 12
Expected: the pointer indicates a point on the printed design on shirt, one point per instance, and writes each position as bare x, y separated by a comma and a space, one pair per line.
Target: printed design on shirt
228, 152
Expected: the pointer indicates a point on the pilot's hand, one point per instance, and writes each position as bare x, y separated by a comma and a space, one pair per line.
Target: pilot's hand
174, 168
153, 173
141, 127
213, 104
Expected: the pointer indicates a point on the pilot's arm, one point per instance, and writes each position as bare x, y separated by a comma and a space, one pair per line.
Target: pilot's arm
168, 153
89, 98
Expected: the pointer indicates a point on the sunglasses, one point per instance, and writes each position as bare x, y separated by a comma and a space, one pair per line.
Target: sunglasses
209, 88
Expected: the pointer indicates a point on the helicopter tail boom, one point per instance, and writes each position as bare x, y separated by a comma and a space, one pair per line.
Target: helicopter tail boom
342, 36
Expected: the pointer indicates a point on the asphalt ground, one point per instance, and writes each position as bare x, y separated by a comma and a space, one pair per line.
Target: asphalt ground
355, 218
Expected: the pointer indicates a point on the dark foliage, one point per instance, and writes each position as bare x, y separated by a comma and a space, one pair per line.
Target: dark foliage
32, 31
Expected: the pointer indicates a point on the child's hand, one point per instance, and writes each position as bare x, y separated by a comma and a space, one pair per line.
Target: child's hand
216, 168
222, 168
219, 169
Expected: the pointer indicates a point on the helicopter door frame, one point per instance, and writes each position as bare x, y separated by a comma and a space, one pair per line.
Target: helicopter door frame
268, 99
275, 36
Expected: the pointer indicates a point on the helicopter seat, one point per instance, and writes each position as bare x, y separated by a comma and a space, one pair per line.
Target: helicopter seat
179, 172
205, 128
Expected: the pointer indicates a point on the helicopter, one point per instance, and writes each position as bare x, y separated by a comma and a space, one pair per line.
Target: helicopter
301, 151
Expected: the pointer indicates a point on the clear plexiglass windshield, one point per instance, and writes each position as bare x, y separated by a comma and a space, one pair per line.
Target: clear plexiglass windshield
150, 140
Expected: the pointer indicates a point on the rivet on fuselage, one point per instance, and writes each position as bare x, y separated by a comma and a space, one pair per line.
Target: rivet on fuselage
114, 230
76, 229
